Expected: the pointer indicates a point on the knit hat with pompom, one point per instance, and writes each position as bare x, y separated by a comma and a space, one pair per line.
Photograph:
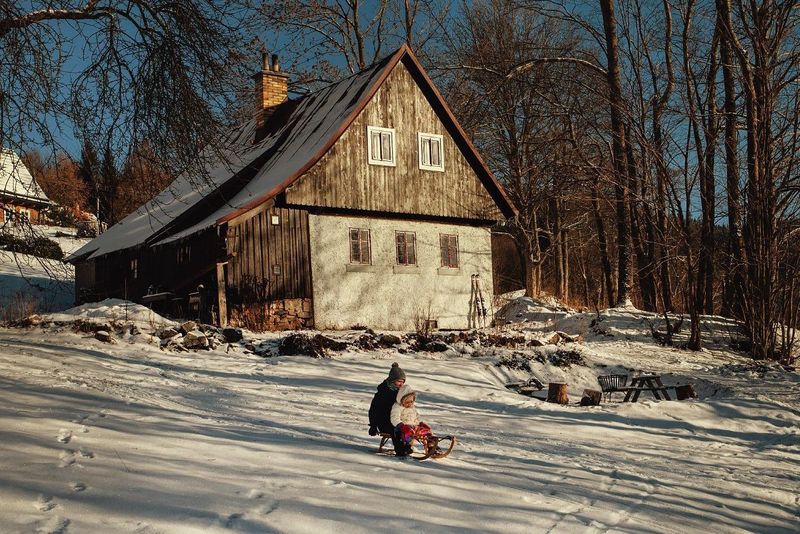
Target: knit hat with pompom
396, 373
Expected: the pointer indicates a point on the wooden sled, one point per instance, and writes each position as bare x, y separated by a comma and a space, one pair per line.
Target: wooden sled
424, 447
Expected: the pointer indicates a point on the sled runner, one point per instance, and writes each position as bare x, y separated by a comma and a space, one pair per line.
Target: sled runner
424, 447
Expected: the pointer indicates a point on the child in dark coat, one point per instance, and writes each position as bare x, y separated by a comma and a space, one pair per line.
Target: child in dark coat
382, 402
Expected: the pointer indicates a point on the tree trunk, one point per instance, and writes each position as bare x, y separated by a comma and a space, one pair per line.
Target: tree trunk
557, 393
662, 255
737, 253
644, 272
533, 257
565, 264
766, 28
685, 392
555, 214
662, 176
618, 150
605, 262
585, 279
591, 397
707, 187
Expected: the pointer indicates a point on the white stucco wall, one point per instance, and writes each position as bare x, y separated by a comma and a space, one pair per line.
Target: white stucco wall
388, 296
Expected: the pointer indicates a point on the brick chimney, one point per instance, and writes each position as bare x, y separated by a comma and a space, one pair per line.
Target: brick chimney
271, 90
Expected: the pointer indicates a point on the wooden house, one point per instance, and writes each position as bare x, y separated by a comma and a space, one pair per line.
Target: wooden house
363, 203
21, 198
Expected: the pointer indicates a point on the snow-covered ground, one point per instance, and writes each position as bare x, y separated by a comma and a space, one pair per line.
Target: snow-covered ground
126, 437
43, 284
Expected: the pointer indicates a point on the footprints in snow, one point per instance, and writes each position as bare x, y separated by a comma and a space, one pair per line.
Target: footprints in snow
232, 520
45, 503
55, 525
52, 525
255, 494
70, 457
264, 507
87, 419
67, 458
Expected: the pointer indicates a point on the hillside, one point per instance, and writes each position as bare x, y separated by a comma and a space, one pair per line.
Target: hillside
127, 437
32, 284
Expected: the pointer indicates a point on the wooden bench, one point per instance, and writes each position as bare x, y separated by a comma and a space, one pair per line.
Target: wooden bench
646, 382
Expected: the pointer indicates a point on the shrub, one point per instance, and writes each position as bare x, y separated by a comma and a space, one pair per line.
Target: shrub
41, 247
61, 216
87, 230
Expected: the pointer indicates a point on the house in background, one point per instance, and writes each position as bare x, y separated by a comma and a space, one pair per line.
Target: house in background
21, 198
363, 203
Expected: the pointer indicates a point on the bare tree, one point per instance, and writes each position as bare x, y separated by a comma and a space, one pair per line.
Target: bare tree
764, 38
119, 72
522, 116
333, 38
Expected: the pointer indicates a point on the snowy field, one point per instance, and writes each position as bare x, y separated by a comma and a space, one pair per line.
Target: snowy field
126, 437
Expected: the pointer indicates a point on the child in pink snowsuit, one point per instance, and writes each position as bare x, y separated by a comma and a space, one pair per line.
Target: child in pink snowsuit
405, 419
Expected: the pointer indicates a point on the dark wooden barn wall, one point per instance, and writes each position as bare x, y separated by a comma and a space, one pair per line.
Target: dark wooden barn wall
258, 246
112, 276
344, 179
85, 283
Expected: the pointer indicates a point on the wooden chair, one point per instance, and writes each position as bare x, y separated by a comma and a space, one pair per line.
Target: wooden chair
613, 384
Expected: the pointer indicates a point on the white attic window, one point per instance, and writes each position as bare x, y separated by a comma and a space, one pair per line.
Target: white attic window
431, 154
381, 146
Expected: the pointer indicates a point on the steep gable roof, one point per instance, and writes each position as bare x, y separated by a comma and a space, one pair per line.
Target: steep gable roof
299, 133
16, 181
296, 131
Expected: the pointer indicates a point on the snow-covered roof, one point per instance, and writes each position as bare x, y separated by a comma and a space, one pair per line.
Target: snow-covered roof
16, 181
300, 138
298, 133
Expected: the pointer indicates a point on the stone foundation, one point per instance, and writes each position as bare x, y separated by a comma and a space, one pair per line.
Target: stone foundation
284, 314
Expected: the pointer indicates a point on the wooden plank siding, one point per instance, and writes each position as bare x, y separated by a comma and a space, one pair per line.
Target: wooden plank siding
257, 247
111, 275
344, 179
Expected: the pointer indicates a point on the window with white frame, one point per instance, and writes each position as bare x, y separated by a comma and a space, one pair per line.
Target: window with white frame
381, 146
431, 156
135, 268
449, 246
406, 244
359, 246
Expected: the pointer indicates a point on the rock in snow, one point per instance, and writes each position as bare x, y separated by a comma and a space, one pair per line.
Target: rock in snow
102, 335
195, 339
166, 333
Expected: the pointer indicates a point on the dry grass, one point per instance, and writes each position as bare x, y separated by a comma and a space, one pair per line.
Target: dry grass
20, 306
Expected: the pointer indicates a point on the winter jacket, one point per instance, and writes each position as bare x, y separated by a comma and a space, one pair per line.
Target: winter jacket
401, 414
381, 406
